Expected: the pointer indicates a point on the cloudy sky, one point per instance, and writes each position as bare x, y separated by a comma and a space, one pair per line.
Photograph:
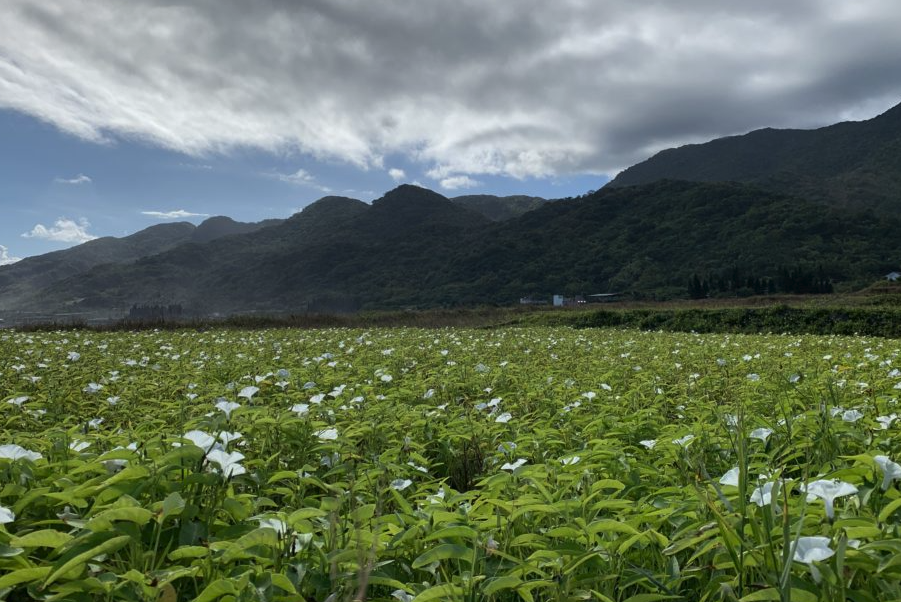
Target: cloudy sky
117, 115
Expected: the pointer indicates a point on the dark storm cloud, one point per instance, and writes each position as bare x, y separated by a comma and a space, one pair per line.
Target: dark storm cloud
522, 88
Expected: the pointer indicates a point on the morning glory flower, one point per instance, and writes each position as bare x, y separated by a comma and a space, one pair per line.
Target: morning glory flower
6, 515
79, 446
95, 423
327, 434
14, 452
203, 440
248, 392
730, 478
761, 433
401, 596
275, 524
890, 470
514, 465
92, 388
228, 462
649, 443
400, 484
225, 437
317, 398
683, 441
753, 377
227, 407
762, 495
812, 549
504, 418
828, 491
886, 421
851, 415
18, 401
300, 408
73, 356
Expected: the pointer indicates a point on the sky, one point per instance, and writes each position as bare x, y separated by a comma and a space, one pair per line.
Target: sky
116, 115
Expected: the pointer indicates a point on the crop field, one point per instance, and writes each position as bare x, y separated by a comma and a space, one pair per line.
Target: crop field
471, 465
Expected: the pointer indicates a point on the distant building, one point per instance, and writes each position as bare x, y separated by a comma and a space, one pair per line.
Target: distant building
561, 301
893, 276
532, 300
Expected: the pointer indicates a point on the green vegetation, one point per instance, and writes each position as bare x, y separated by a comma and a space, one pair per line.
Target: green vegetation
535, 464
855, 165
416, 249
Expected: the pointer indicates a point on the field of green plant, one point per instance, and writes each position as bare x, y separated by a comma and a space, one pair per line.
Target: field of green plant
415, 465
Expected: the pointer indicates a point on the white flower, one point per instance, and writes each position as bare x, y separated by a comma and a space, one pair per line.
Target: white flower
73, 356
275, 524
300, 409
14, 452
812, 549
761, 433
606, 387
762, 495
92, 388
337, 391
228, 462
514, 465
683, 441
429, 394
753, 377
401, 596
317, 399
886, 421
400, 484
225, 437
890, 470
227, 407
6, 515
506, 447
570, 461
203, 440
95, 423
504, 418
248, 392
851, 415
649, 443
18, 401
794, 378
828, 491
112, 400
730, 478
327, 434
79, 446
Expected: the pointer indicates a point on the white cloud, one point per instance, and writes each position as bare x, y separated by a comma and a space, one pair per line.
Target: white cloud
177, 214
79, 179
301, 177
6, 258
398, 175
63, 230
455, 182
522, 89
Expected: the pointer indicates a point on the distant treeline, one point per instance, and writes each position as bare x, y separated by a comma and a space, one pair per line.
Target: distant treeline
882, 322
739, 282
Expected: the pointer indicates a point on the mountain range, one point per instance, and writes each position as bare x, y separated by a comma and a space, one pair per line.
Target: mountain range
770, 211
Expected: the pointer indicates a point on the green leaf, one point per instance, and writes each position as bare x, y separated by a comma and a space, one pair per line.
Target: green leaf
493, 586
24, 576
48, 538
106, 547
445, 591
888, 510
441, 552
217, 589
461, 531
